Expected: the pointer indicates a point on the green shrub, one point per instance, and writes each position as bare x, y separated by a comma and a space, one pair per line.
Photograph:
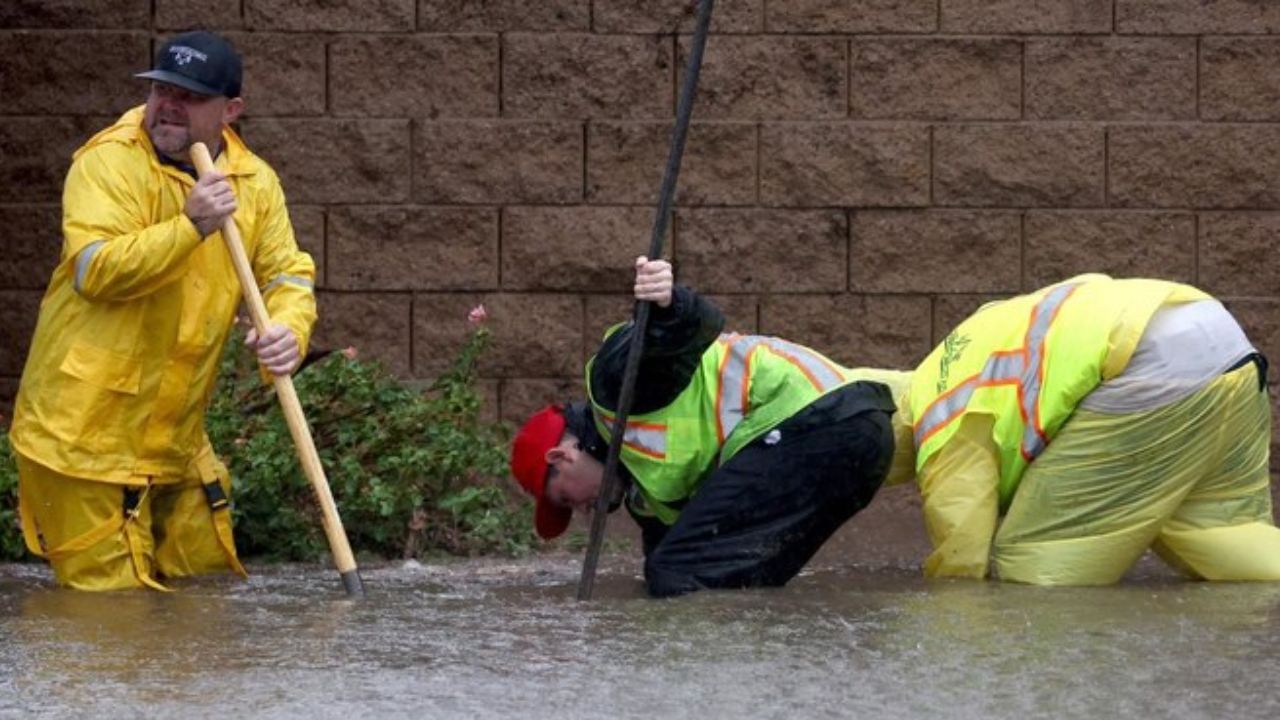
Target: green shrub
11, 546
414, 472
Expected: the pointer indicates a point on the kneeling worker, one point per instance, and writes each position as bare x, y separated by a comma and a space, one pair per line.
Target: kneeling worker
742, 453
1101, 417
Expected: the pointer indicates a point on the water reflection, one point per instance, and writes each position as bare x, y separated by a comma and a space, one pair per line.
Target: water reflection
492, 639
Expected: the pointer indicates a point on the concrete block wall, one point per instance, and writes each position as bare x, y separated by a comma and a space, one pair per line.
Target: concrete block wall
861, 173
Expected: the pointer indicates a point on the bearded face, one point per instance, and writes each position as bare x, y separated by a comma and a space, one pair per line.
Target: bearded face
176, 118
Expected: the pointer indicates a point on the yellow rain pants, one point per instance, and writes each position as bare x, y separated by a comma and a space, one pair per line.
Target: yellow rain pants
108, 536
1189, 479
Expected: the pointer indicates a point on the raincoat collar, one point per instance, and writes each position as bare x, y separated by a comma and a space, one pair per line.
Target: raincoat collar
234, 159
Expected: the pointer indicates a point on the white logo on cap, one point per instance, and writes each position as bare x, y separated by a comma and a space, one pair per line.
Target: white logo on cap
183, 54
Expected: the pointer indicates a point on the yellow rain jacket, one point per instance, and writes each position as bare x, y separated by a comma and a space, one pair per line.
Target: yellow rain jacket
132, 325
1000, 388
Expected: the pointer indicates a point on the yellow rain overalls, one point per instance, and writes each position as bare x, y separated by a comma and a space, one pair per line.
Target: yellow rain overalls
118, 483
1002, 425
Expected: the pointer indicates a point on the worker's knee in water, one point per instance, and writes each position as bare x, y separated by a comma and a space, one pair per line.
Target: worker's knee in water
662, 580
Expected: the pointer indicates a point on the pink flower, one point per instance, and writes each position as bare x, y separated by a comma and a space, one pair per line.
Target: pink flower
350, 352
477, 315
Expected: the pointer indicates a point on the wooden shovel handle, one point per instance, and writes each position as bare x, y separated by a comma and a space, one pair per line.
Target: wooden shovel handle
289, 403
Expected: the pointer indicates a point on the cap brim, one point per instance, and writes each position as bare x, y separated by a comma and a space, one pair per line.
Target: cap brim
551, 520
181, 81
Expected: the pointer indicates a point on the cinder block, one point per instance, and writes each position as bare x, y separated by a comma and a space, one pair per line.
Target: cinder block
308, 231
327, 16
1238, 78
65, 14
1031, 17
35, 154
442, 16
1238, 254
1115, 78
533, 336
33, 244
335, 161
1062, 244
949, 251
8, 393
852, 16
284, 74
46, 72
626, 161
768, 251
602, 313
190, 14
416, 75
844, 164
951, 310
667, 16
498, 161
413, 248
565, 76
579, 249
377, 325
771, 77
1023, 165
979, 79
1201, 166
19, 310
1197, 17
741, 312
854, 330
519, 398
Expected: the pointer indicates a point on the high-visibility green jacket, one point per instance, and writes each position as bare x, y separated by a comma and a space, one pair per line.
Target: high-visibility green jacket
132, 325
743, 386
1027, 362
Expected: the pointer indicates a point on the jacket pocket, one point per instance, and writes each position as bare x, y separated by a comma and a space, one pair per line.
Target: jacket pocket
95, 395
103, 368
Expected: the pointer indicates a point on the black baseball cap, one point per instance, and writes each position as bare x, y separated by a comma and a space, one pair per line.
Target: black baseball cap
199, 61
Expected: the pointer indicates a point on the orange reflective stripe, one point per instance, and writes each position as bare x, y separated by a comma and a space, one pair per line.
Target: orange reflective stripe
645, 438
822, 374
1023, 367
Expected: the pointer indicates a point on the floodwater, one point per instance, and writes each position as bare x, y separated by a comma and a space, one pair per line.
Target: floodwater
506, 639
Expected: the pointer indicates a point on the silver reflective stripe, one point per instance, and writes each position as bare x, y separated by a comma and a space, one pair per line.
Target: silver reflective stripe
83, 259
645, 438
735, 375
821, 372
291, 279
1021, 367
731, 401
1033, 439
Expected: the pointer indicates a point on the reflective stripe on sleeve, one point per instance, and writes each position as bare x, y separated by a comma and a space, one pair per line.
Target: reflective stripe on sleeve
82, 262
279, 280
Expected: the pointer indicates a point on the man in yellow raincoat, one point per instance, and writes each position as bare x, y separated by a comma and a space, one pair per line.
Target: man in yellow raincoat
1100, 417
118, 485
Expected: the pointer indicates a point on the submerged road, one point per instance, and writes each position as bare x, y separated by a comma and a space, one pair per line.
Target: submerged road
506, 639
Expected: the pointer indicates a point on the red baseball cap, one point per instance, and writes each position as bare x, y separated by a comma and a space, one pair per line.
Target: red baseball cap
541, 432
